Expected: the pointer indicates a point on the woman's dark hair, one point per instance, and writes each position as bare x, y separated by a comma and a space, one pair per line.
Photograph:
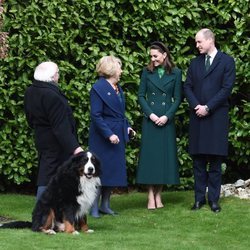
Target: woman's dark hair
167, 64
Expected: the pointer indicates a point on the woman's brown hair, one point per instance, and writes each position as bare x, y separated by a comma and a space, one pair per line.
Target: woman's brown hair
167, 64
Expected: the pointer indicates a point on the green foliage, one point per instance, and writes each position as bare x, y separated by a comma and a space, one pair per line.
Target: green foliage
76, 33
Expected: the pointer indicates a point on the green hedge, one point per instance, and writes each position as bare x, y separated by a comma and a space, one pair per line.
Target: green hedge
76, 33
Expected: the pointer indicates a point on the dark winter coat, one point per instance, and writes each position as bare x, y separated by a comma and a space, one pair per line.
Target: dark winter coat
209, 134
49, 114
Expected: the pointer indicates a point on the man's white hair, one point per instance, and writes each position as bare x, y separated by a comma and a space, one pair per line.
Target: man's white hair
45, 71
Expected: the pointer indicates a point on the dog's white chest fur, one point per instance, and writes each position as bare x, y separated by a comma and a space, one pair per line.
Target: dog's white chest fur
88, 188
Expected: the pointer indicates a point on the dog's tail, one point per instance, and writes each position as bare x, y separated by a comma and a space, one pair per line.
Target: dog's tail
16, 224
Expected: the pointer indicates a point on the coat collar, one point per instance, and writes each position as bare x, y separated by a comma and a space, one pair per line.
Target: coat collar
42, 84
50, 85
109, 96
160, 82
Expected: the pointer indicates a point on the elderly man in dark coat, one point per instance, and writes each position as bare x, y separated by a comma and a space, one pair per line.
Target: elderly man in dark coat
49, 114
209, 83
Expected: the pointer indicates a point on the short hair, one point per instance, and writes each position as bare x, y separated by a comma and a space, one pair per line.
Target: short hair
45, 71
108, 66
208, 34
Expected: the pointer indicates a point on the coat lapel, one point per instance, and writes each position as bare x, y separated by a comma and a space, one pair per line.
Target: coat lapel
109, 96
216, 61
160, 83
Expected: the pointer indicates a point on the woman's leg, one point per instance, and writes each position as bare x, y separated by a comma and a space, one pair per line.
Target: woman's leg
40, 190
151, 198
105, 202
94, 212
158, 191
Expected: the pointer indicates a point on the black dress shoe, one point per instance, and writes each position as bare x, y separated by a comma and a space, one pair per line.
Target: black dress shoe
198, 205
215, 207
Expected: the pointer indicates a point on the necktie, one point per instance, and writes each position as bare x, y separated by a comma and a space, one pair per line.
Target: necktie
207, 62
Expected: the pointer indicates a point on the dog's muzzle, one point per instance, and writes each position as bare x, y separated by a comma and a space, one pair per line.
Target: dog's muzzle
90, 172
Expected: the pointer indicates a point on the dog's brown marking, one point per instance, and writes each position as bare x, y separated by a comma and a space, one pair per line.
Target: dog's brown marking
69, 228
83, 224
49, 224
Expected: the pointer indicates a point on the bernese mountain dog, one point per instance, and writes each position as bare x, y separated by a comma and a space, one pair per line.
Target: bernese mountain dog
64, 204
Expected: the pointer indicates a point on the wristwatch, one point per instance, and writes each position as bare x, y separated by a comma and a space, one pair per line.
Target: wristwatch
207, 108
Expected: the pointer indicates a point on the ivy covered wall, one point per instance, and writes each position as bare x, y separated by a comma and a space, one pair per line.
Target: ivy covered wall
77, 33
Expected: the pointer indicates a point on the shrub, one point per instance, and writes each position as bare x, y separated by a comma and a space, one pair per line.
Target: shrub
76, 33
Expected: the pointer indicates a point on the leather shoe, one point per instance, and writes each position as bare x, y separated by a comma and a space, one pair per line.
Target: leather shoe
215, 207
198, 205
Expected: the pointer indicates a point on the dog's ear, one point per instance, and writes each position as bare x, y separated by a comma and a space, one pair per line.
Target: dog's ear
78, 157
97, 164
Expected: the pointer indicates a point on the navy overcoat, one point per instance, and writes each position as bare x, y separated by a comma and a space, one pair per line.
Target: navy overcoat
209, 134
108, 118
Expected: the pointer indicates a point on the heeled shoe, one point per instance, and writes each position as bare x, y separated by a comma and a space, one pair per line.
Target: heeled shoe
160, 206
151, 207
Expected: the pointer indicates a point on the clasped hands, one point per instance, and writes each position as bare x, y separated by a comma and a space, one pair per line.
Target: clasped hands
160, 121
200, 110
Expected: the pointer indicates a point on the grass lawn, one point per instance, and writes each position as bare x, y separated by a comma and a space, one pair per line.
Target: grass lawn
173, 227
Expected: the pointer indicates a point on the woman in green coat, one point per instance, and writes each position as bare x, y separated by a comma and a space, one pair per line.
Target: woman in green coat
159, 97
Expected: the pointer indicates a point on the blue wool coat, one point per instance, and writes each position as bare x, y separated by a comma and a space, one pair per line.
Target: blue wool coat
209, 135
107, 118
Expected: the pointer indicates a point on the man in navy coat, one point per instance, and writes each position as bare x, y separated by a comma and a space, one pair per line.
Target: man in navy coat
208, 86
49, 114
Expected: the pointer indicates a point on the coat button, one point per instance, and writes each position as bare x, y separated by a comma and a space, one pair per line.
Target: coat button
152, 103
153, 93
164, 94
163, 103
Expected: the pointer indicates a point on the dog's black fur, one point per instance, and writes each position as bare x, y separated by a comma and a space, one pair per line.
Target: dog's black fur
64, 204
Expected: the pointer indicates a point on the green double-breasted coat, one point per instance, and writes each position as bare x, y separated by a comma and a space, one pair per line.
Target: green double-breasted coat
158, 162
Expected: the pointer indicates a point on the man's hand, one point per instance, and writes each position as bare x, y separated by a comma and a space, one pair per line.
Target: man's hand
201, 110
78, 150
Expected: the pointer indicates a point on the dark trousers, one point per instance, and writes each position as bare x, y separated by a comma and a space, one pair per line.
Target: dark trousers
207, 173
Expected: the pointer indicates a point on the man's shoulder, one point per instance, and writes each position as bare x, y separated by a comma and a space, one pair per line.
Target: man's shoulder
197, 59
45, 91
226, 56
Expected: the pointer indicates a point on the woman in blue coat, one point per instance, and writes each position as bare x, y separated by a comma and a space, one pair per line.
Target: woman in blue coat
109, 130
159, 97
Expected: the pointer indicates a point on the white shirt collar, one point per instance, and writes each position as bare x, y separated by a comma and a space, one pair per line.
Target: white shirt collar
212, 55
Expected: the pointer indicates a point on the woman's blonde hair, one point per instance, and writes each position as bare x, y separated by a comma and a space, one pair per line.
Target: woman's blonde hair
108, 66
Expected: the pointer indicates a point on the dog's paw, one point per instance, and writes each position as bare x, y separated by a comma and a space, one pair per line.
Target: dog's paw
49, 231
90, 231
75, 233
